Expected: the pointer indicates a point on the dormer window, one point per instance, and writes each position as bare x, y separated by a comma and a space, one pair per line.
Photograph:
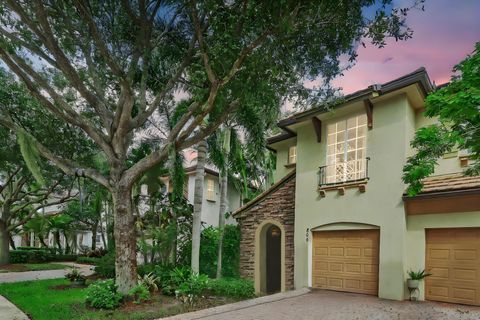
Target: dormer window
292, 155
346, 150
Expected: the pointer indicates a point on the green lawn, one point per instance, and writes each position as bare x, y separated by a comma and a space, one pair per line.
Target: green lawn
21, 267
41, 301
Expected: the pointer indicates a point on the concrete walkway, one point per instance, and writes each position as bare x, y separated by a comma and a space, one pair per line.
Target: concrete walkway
44, 274
331, 305
9, 311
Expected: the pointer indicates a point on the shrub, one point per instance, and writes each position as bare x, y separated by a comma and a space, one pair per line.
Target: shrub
229, 287
150, 281
75, 275
97, 253
103, 295
144, 269
209, 249
140, 293
29, 256
33, 248
193, 288
105, 266
175, 277
63, 257
88, 260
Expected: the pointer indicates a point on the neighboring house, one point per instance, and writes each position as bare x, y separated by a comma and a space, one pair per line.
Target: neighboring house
83, 238
211, 195
338, 218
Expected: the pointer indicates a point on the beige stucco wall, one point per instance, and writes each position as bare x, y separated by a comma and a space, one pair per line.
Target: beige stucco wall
381, 205
415, 239
210, 209
281, 170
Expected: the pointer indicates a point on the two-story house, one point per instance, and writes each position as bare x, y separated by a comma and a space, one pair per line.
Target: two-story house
211, 194
338, 218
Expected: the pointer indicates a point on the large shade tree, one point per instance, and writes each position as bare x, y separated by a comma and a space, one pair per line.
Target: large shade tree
111, 68
456, 107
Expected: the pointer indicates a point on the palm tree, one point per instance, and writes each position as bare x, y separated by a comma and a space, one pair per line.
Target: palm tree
197, 205
39, 226
225, 148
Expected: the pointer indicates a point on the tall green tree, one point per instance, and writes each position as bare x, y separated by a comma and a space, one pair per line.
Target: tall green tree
22, 198
456, 106
110, 69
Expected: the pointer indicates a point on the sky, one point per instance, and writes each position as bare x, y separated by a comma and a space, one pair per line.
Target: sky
444, 34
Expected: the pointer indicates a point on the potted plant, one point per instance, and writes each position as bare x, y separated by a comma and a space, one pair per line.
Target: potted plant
76, 278
415, 277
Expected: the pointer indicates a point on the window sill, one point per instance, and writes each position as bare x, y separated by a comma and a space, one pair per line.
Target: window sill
341, 186
291, 165
209, 200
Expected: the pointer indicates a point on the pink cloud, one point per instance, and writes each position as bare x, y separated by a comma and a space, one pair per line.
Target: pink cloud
443, 35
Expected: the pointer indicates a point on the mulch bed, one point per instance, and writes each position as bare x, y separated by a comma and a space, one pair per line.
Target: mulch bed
13, 268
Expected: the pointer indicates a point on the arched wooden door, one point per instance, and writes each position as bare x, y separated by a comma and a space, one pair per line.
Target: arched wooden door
273, 257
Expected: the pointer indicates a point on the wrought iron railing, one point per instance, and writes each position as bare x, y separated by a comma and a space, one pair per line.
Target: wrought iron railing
339, 173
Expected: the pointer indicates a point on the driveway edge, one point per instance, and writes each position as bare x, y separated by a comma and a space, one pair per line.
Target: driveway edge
238, 305
10, 311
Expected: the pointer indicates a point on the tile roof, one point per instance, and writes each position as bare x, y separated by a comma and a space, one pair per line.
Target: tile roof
450, 182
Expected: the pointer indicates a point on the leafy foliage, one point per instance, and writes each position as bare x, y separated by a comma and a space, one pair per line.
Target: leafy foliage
105, 266
418, 275
103, 295
209, 249
74, 275
191, 290
231, 287
456, 107
140, 293
149, 281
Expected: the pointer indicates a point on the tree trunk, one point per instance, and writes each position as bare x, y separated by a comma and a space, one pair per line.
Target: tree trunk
125, 239
102, 233
221, 219
12, 243
4, 244
57, 240
67, 245
94, 236
197, 205
42, 241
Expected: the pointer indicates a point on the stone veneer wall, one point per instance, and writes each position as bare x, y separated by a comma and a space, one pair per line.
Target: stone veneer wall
280, 206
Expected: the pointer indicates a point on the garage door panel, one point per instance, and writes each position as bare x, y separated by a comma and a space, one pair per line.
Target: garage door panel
456, 274
349, 261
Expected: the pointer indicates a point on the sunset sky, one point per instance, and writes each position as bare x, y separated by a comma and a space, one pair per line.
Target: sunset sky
443, 35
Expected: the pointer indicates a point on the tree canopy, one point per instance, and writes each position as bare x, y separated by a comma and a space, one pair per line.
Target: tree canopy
457, 108
113, 70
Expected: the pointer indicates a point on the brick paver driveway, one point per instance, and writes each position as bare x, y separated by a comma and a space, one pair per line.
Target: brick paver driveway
330, 305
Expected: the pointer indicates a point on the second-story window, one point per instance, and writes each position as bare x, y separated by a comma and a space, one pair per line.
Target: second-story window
346, 149
292, 155
210, 189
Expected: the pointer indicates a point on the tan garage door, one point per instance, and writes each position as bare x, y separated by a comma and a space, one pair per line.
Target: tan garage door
346, 260
453, 258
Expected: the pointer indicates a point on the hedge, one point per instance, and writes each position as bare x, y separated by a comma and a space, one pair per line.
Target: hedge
29, 255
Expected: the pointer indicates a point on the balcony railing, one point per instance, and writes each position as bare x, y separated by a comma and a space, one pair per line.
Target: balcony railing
345, 172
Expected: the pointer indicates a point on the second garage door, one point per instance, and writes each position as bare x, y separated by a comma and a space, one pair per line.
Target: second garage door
346, 260
453, 259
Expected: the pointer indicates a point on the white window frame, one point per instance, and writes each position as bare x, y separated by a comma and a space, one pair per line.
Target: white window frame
292, 155
346, 149
210, 194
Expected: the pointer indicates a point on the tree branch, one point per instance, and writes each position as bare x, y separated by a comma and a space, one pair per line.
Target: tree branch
65, 165
199, 33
